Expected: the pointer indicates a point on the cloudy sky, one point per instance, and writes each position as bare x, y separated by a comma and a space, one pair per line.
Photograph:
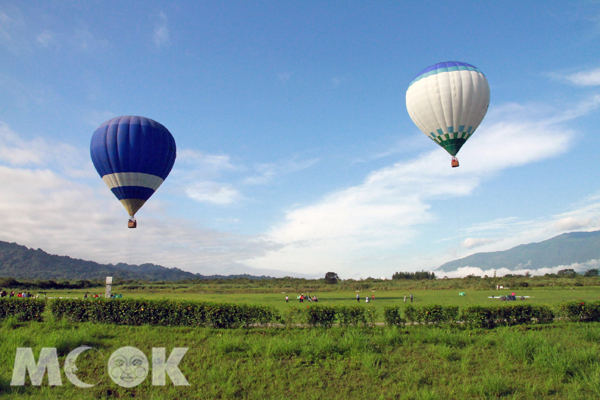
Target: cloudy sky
296, 155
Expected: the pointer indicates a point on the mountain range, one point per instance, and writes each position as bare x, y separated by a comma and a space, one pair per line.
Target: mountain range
565, 249
20, 262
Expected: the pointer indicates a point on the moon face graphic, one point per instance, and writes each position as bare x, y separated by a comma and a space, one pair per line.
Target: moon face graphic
128, 367
71, 367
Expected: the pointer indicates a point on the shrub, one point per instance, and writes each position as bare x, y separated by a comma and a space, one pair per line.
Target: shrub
392, 316
434, 314
371, 313
518, 314
479, 317
411, 314
351, 315
320, 315
22, 309
162, 312
580, 310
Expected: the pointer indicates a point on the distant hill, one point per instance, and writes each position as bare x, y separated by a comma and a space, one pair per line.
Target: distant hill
18, 261
565, 249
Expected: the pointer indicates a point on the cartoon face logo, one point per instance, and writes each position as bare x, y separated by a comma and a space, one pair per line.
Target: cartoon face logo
128, 367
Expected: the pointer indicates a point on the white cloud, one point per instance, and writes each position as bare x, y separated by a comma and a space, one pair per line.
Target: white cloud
46, 39
466, 271
208, 164
469, 243
212, 192
161, 35
585, 78
365, 226
38, 208
37, 152
44, 208
570, 223
267, 172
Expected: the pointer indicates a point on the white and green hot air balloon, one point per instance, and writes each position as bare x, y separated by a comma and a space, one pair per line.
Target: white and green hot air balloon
448, 101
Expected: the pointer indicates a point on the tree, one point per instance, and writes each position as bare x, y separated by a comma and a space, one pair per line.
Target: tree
567, 273
331, 278
592, 272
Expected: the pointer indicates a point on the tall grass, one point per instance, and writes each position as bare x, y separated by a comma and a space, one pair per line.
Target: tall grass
558, 360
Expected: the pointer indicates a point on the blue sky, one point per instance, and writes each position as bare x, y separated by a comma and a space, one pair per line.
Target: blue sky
296, 155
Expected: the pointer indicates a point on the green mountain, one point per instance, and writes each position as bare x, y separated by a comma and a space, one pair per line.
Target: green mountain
565, 249
20, 262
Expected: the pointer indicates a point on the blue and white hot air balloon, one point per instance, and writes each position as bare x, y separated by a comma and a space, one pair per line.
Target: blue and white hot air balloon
134, 156
448, 101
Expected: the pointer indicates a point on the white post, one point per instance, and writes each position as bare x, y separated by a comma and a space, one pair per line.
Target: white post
108, 287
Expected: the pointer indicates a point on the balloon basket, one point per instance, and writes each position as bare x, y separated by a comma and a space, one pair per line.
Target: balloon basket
132, 223
454, 162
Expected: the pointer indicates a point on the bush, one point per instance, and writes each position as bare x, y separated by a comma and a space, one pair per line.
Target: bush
434, 314
392, 316
580, 310
26, 309
320, 315
479, 317
351, 315
161, 312
490, 316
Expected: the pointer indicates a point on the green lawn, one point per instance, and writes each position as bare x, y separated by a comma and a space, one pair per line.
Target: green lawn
549, 296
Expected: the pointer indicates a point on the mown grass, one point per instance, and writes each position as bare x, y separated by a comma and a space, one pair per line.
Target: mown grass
558, 361
549, 296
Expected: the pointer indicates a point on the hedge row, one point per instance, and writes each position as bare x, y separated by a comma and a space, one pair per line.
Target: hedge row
231, 315
23, 309
475, 316
580, 310
326, 316
162, 312
491, 316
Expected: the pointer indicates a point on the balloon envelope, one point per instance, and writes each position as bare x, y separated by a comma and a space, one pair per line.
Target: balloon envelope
133, 155
448, 101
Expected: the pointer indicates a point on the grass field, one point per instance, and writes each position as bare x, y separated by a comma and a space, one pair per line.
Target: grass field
549, 296
556, 361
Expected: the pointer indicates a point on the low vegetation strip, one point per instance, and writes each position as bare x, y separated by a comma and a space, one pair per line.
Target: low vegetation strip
475, 316
235, 315
580, 310
22, 309
162, 312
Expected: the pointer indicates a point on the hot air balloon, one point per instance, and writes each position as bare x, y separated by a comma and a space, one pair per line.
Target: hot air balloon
133, 155
448, 101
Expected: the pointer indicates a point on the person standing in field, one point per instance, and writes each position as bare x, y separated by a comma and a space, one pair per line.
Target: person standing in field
405, 297
287, 299
411, 298
358, 298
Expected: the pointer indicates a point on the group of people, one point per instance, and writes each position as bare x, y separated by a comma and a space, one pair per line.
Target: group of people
94, 296
367, 299
4, 293
302, 297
